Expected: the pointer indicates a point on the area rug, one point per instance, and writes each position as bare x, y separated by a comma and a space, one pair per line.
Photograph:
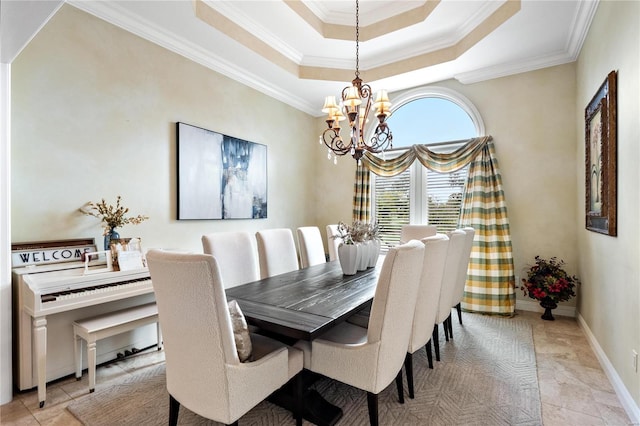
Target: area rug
487, 376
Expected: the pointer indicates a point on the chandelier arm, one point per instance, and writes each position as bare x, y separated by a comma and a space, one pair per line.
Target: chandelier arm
333, 141
382, 139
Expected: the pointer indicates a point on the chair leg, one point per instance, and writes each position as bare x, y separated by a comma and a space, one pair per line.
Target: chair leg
459, 309
445, 325
298, 398
399, 386
372, 403
436, 341
429, 354
174, 408
450, 322
408, 368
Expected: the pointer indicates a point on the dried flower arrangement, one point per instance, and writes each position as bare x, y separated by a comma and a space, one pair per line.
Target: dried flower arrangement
112, 217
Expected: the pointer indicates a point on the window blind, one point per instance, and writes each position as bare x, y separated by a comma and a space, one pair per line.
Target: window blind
444, 198
392, 206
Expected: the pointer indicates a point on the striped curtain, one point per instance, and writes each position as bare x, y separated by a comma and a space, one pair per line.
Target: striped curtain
361, 197
490, 286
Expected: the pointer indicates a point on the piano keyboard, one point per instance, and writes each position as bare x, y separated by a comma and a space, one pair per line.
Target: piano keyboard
73, 293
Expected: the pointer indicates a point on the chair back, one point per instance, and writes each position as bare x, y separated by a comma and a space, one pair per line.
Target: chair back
450, 274
276, 251
393, 307
236, 254
196, 327
416, 232
458, 292
311, 246
424, 318
333, 243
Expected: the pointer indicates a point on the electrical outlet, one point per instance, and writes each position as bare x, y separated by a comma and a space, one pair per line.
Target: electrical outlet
635, 360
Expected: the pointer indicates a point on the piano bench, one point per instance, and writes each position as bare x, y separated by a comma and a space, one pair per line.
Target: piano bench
107, 325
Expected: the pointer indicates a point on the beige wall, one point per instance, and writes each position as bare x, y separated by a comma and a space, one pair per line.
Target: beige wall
610, 266
94, 113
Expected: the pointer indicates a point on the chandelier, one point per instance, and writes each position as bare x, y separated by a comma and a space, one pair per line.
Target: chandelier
356, 104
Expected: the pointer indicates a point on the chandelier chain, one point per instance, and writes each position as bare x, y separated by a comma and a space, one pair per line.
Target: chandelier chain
357, 39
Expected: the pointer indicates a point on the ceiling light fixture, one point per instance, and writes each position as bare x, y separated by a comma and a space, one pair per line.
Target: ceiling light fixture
356, 104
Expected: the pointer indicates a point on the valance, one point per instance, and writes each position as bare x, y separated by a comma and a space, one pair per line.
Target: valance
438, 162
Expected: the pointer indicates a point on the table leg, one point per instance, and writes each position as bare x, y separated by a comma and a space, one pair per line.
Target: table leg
317, 410
40, 346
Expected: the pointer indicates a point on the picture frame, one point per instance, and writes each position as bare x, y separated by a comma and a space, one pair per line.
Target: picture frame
127, 254
219, 176
601, 159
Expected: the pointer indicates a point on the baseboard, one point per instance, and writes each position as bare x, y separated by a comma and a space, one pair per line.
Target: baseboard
629, 405
530, 305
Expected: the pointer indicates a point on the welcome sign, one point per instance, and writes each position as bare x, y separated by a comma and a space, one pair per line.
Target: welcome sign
47, 252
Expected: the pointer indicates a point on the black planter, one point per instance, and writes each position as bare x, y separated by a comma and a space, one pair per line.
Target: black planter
548, 305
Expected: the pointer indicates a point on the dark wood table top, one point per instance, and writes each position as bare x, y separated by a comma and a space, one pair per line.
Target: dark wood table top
305, 303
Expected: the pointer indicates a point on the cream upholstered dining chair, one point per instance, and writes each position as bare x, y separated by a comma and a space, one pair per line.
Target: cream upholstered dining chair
237, 256
333, 243
449, 279
416, 232
424, 317
458, 292
370, 358
276, 251
311, 246
203, 368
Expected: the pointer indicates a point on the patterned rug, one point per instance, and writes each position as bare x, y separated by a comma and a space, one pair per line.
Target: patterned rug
487, 376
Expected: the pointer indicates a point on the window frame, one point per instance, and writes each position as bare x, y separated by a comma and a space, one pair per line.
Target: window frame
418, 201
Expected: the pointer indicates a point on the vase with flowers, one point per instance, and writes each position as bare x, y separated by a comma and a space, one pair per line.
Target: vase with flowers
112, 217
549, 283
360, 246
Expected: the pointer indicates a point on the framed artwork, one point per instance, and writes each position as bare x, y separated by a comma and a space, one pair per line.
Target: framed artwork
219, 176
601, 159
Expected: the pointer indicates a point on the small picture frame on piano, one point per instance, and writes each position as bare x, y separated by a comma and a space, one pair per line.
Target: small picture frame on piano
127, 254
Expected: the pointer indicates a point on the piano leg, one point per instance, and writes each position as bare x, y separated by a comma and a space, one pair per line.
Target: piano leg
40, 341
91, 361
77, 354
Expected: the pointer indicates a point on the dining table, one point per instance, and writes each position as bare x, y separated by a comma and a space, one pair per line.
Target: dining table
304, 304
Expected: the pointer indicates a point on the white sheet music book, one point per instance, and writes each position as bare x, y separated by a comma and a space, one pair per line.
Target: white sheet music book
128, 260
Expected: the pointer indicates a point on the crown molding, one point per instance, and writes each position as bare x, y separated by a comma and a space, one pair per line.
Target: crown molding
515, 67
580, 28
331, 69
234, 14
370, 17
114, 14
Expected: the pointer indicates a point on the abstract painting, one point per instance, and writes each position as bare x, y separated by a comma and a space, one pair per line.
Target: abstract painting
219, 176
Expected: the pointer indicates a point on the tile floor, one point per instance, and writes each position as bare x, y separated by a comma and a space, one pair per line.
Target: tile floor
574, 390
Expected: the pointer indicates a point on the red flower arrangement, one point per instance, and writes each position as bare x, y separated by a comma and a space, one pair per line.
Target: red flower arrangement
547, 281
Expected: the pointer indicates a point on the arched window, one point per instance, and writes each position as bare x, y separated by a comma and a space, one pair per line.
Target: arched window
437, 117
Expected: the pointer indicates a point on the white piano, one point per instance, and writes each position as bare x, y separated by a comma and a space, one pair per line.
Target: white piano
49, 297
